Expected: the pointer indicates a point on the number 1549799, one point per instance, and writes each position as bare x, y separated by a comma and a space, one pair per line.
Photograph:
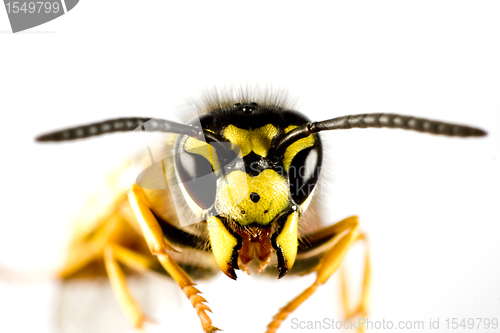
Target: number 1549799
32, 7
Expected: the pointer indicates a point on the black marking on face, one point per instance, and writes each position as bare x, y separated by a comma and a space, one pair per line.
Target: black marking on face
255, 197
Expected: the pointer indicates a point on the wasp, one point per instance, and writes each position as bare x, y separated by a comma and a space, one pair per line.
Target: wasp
233, 192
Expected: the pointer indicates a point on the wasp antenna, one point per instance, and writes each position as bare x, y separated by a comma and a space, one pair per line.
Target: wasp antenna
121, 125
376, 120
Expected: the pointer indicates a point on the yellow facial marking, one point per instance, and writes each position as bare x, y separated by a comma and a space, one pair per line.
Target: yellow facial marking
223, 244
194, 146
295, 147
257, 140
288, 240
233, 198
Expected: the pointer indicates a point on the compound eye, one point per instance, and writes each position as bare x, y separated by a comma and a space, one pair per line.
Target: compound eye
196, 174
304, 172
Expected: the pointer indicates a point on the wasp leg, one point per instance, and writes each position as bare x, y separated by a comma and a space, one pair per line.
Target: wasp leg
112, 254
361, 308
84, 251
341, 236
159, 246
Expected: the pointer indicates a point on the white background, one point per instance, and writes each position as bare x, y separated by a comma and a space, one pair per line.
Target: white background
429, 205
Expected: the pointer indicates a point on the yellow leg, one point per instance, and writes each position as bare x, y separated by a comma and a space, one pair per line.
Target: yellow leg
345, 233
361, 309
159, 246
112, 254
84, 251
